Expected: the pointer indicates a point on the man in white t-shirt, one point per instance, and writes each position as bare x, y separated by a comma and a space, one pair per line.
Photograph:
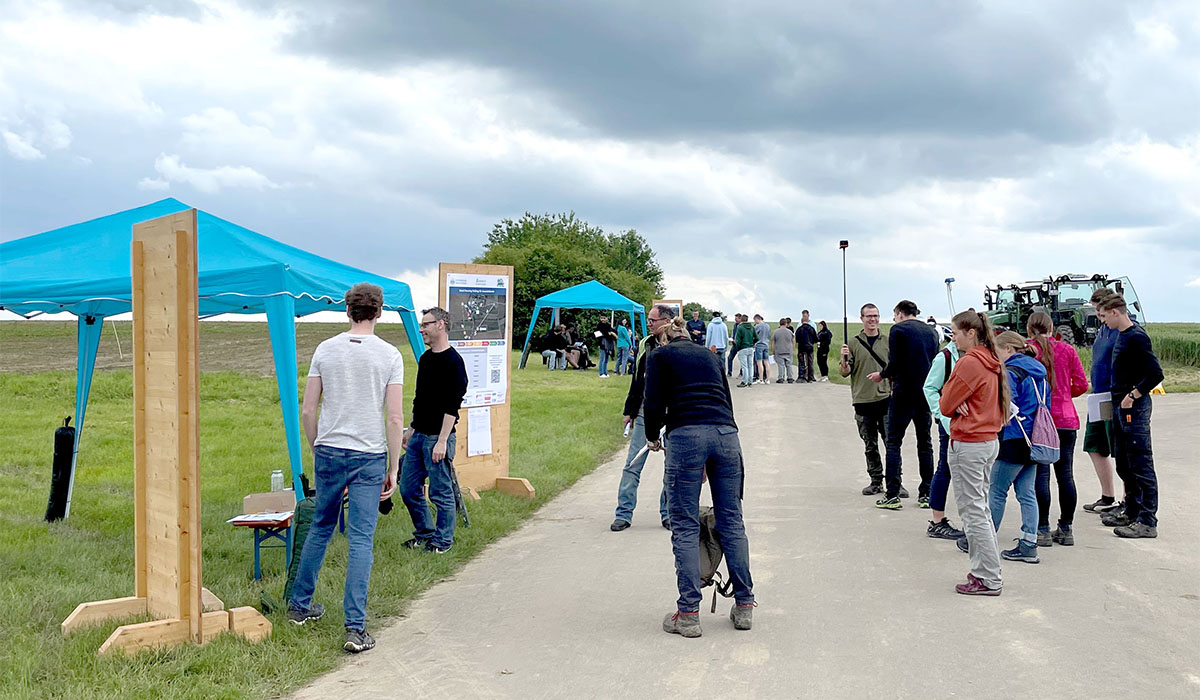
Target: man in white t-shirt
356, 446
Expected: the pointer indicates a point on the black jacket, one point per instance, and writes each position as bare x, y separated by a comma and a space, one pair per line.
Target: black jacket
633, 401
806, 336
685, 385
912, 345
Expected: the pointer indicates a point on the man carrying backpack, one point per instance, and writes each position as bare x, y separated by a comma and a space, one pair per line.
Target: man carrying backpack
861, 358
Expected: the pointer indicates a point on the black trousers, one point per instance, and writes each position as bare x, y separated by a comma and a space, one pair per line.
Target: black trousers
909, 406
872, 426
1135, 461
823, 361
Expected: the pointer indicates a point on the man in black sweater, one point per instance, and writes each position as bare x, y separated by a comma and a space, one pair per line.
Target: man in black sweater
429, 441
1135, 374
806, 338
912, 345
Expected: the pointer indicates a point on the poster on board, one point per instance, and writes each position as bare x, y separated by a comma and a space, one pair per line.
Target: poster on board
478, 308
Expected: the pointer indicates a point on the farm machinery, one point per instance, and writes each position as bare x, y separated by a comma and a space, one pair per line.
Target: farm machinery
1066, 298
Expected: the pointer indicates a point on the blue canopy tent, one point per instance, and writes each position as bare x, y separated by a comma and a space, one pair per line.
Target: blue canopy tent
589, 295
84, 269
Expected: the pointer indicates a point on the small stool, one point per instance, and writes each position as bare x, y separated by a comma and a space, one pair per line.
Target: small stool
279, 528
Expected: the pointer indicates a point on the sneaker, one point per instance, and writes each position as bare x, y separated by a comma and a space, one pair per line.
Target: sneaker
791, 381
1022, 552
943, 530
779, 381
742, 616
922, 501
682, 624
1044, 539
618, 525
903, 492
296, 616
434, 549
1115, 518
742, 384
1102, 505
974, 586
415, 543
892, 503
963, 545
873, 488
1062, 535
1136, 530
666, 524
358, 641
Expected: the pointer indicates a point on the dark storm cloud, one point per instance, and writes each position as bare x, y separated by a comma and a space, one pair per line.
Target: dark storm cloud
685, 70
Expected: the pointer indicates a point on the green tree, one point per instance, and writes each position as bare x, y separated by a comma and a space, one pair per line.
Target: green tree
549, 252
705, 312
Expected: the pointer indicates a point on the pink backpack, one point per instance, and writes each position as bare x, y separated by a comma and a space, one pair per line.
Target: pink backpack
1043, 443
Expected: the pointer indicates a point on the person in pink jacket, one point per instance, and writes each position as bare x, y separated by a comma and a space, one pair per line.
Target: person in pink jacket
1067, 380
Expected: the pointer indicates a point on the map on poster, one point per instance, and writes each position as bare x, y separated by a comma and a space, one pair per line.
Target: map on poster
478, 307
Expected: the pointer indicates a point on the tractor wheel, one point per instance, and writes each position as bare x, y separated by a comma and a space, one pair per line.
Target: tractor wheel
1065, 334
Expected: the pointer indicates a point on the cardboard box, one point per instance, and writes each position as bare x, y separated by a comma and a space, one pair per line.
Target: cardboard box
269, 502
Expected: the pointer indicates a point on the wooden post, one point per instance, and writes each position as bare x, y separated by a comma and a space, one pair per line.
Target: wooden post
166, 392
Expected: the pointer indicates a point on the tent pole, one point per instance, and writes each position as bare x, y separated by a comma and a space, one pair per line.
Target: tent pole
281, 324
89, 327
412, 328
532, 323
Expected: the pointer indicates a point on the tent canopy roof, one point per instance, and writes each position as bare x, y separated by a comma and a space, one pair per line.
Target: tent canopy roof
85, 269
589, 295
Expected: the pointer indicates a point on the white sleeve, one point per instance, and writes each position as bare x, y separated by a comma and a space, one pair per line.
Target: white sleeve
314, 367
397, 373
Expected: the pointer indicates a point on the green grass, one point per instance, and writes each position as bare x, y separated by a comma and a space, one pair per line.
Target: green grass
563, 425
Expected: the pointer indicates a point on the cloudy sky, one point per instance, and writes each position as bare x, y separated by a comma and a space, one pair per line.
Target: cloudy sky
988, 141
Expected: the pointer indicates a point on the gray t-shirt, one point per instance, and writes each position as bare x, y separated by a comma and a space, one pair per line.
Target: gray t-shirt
355, 371
762, 332
785, 341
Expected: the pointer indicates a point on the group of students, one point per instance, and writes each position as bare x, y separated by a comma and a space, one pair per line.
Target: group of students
754, 345
1006, 420
563, 348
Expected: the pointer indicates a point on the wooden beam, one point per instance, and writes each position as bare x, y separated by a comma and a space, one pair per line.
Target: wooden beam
249, 623
211, 602
146, 635
515, 486
100, 610
212, 624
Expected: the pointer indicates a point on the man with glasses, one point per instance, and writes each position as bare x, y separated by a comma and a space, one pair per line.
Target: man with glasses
862, 357
631, 476
429, 441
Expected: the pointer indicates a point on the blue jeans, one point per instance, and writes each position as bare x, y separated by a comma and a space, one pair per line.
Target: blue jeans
1021, 478
622, 360
1135, 461
1068, 497
940, 486
361, 474
555, 360
732, 356
418, 464
746, 358
631, 476
760, 352
603, 361
692, 451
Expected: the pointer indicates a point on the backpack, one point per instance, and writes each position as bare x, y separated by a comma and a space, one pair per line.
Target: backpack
711, 555
1043, 442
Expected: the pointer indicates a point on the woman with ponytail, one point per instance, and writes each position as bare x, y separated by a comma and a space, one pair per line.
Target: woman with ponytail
976, 399
1067, 380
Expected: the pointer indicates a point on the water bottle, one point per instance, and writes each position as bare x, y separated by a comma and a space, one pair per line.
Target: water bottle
277, 480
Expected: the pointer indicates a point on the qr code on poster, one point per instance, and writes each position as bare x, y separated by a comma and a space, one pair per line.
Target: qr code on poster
495, 376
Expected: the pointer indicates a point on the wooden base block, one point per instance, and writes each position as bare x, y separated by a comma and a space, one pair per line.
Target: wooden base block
249, 623
146, 635
212, 624
515, 486
210, 602
470, 494
100, 610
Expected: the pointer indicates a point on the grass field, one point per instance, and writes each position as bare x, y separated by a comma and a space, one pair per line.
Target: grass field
563, 424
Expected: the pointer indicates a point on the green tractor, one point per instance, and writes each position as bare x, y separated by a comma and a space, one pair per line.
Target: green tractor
1065, 298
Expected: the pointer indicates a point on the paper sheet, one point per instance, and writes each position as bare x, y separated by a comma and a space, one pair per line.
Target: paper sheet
1099, 407
479, 431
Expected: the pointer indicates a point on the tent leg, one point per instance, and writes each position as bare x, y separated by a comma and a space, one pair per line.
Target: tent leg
89, 328
281, 322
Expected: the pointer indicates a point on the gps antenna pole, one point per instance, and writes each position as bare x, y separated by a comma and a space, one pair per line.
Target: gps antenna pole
845, 320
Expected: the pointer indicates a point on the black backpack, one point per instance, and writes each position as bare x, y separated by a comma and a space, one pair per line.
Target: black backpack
711, 555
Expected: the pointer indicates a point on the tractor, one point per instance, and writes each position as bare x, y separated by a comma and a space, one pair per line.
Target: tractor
1065, 298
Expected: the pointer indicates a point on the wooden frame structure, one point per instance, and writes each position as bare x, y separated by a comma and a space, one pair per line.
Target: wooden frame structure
488, 471
166, 460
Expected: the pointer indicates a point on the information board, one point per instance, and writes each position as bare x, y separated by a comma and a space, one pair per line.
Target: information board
478, 308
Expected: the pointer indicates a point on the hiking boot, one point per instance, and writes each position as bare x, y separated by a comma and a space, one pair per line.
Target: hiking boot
791, 381
618, 525
1115, 519
873, 488
358, 641
1102, 505
296, 616
1044, 539
742, 616
682, 624
943, 530
1024, 551
922, 501
903, 492
415, 543
1062, 535
1136, 530
974, 586
434, 549
892, 503
963, 545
